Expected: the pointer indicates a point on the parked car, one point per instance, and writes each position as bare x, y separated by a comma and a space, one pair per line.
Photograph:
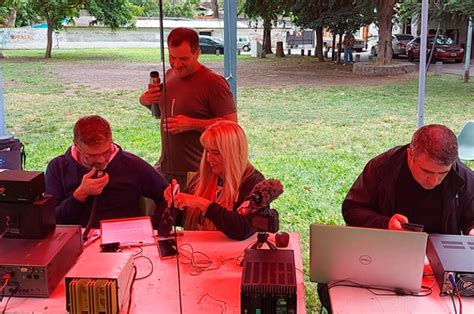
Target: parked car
209, 44
399, 45
243, 43
444, 49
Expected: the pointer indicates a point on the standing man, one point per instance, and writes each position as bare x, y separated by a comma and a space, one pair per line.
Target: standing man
196, 98
95, 168
347, 45
423, 183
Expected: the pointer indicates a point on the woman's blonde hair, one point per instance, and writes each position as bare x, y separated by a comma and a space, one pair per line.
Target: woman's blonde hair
229, 139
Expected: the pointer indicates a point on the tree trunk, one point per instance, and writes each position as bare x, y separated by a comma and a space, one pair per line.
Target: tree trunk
267, 39
49, 45
319, 44
279, 50
10, 19
215, 9
333, 52
339, 49
384, 16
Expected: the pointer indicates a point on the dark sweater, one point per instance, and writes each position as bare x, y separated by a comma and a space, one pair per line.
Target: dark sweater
371, 201
130, 177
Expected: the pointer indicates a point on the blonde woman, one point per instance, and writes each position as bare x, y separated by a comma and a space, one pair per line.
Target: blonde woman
224, 181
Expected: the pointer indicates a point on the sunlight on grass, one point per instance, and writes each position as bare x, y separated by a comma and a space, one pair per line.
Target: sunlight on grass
315, 140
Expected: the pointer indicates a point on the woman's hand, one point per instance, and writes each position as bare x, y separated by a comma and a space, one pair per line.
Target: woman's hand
174, 186
183, 200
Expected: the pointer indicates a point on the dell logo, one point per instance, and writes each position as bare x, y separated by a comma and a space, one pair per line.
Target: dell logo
365, 259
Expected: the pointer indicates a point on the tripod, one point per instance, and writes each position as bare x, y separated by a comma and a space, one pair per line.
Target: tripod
262, 238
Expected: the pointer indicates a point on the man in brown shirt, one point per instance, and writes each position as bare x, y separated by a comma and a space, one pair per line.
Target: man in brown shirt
196, 98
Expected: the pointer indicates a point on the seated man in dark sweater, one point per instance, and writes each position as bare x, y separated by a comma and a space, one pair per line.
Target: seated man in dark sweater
96, 168
422, 182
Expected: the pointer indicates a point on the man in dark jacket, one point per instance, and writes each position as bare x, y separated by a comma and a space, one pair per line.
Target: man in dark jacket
423, 182
97, 171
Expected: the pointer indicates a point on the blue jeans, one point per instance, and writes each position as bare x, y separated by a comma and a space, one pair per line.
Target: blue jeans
347, 55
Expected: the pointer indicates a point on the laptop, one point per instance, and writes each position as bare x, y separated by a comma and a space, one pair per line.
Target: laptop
369, 257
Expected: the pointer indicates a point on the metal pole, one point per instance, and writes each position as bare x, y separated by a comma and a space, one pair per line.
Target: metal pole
230, 45
467, 56
3, 133
422, 68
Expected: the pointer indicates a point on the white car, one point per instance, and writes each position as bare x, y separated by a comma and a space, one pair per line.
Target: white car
399, 45
243, 43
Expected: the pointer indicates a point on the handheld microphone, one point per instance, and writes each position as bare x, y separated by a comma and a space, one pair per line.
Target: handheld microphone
264, 193
85, 235
167, 218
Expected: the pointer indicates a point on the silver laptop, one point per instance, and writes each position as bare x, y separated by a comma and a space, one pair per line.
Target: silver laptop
369, 257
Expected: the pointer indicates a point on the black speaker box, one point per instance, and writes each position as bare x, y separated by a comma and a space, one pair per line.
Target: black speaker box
28, 220
21, 186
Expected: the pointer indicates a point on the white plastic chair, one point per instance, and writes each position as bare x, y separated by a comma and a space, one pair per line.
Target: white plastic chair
466, 142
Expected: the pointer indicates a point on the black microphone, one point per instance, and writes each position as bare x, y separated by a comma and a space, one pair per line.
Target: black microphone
264, 192
166, 222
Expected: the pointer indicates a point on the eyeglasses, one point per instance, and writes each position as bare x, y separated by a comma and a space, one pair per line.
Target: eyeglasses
106, 155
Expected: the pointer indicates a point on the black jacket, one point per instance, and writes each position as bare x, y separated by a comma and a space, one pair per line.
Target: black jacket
371, 200
231, 223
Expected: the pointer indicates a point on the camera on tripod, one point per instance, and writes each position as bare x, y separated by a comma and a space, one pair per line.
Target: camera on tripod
265, 220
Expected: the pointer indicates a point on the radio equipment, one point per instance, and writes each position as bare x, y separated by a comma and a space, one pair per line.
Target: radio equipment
36, 266
452, 255
99, 283
268, 282
21, 186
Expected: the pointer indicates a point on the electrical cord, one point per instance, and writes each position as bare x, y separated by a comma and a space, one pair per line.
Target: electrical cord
455, 291
85, 235
151, 263
199, 261
426, 291
460, 302
8, 300
6, 279
454, 303
131, 289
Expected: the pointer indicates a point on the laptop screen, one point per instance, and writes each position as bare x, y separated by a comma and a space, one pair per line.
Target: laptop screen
368, 257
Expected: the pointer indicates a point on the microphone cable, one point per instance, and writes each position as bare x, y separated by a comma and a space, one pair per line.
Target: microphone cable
168, 148
85, 235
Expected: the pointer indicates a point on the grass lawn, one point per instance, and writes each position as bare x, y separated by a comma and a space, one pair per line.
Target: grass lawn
315, 140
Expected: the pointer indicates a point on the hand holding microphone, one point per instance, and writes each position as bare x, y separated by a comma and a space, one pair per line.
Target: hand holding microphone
155, 86
93, 183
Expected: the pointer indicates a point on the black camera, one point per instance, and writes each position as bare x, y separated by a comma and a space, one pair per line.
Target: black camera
265, 220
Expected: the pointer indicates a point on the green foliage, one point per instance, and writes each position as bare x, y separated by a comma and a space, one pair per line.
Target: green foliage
337, 16
113, 13
54, 11
175, 8
185, 8
269, 10
26, 15
439, 11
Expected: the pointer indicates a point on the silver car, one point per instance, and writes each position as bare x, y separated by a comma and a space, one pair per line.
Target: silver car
243, 43
399, 45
